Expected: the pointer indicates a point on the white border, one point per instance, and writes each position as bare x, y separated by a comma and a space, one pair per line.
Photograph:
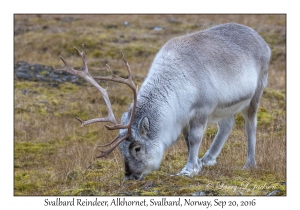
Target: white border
153, 6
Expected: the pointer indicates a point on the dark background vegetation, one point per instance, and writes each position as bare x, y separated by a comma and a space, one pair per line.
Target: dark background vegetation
54, 156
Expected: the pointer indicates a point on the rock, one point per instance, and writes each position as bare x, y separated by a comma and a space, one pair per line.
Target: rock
41, 78
199, 193
274, 193
24, 75
42, 73
283, 183
38, 72
70, 78
157, 28
27, 91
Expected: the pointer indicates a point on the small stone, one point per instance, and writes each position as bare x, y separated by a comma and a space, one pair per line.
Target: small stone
199, 193
157, 28
40, 78
274, 193
24, 75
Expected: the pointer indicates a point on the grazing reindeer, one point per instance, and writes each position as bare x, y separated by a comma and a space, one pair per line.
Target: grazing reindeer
200, 78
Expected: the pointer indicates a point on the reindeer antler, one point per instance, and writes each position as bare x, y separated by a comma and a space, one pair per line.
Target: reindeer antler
110, 117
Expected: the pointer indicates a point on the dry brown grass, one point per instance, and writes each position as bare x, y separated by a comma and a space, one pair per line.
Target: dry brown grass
53, 156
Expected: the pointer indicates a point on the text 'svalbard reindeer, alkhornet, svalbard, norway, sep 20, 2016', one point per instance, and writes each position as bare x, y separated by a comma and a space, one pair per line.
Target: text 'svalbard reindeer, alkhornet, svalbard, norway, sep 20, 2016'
196, 79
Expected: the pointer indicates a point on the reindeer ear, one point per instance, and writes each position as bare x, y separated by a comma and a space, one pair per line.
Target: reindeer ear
144, 126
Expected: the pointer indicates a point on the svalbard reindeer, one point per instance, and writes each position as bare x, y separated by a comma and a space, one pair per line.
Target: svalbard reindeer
196, 79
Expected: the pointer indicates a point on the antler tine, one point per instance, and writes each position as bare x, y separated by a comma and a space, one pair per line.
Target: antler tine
68, 68
116, 78
110, 143
105, 153
80, 120
112, 73
127, 66
65, 62
84, 60
129, 82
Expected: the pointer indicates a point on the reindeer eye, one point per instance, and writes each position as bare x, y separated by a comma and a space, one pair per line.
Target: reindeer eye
137, 149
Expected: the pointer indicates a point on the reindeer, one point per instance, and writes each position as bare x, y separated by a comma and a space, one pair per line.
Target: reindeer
196, 79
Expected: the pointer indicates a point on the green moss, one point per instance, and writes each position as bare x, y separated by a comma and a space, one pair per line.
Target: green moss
278, 54
74, 175
188, 190
112, 53
211, 132
101, 164
56, 114
83, 192
21, 186
30, 182
121, 100
82, 114
239, 119
95, 176
44, 73
96, 53
92, 135
68, 87
238, 144
42, 111
263, 117
33, 148
274, 94
149, 193
52, 192
88, 41
274, 39
19, 85
90, 184
137, 49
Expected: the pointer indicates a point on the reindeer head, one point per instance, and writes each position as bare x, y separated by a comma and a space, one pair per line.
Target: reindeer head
141, 153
